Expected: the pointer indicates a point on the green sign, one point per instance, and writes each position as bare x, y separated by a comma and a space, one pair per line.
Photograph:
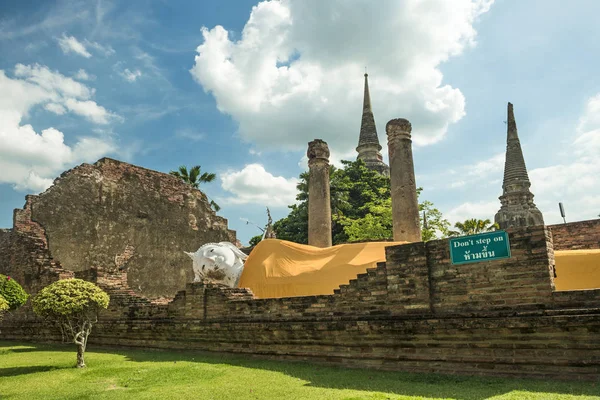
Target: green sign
476, 248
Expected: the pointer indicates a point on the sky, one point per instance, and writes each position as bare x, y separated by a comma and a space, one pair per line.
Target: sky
240, 87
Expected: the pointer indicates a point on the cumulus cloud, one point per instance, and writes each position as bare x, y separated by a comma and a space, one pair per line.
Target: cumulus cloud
296, 72
70, 44
28, 159
253, 184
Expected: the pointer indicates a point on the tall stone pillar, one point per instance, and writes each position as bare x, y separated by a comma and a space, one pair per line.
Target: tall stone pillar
319, 206
405, 207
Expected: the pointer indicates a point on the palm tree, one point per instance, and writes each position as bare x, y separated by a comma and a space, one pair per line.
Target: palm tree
473, 226
194, 178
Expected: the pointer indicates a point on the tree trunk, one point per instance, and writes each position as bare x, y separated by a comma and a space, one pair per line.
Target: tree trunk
80, 351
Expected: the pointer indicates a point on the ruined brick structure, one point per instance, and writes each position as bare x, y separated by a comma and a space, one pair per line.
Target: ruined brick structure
113, 216
518, 208
369, 149
576, 235
414, 312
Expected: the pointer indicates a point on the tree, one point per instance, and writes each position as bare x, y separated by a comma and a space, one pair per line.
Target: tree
433, 225
12, 292
194, 178
473, 226
255, 240
360, 207
72, 305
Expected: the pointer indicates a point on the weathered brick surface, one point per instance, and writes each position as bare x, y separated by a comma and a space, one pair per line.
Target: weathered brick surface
576, 235
117, 216
415, 312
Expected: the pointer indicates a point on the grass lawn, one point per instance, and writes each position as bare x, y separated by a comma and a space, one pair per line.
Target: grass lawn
35, 371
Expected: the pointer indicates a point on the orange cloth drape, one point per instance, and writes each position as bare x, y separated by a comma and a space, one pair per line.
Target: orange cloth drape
278, 268
577, 269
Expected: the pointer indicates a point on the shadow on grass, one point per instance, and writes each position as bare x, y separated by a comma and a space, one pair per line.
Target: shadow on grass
6, 372
398, 383
333, 377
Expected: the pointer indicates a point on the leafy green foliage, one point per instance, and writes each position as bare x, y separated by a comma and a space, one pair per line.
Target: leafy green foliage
255, 240
194, 178
12, 292
4, 306
361, 208
73, 305
473, 226
69, 297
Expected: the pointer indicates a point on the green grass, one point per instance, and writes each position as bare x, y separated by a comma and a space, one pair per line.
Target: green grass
34, 371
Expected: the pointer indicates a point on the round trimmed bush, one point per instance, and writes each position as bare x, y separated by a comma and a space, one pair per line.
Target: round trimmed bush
3, 305
12, 292
69, 297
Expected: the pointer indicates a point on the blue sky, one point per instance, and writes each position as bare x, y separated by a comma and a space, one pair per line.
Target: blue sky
240, 87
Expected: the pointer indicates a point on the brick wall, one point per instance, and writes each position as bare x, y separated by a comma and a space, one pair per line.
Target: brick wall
576, 235
415, 312
117, 216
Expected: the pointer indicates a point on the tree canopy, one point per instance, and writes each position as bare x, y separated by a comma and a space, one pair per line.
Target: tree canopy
73, 305
361, 208
473, 226
12, 292
194, 178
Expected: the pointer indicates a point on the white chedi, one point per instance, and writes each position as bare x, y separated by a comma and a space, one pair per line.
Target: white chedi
220, 263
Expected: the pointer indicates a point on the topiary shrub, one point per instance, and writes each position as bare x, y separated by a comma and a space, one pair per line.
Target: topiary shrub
73, 305
3, 307
12, 292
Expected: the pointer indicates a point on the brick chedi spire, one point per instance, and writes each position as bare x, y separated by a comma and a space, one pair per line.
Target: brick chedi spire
368, 143
517, 207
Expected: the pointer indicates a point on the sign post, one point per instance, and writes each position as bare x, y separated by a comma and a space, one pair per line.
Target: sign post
481, 247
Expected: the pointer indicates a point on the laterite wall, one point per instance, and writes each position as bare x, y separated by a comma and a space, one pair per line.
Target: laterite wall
415, 312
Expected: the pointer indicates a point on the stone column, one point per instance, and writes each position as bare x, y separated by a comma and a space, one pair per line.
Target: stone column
319, 206
405, 207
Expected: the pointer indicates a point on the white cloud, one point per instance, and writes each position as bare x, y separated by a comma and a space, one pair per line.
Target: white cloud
190, 134
478, 210
90, 110
64, 92
130, 76
28, 159
53, 81
253, 184
82, 75
104, 50
296, 72
55, 108
70, 44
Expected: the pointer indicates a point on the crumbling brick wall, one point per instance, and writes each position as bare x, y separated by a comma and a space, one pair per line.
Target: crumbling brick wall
415, 312
117, 216
576, 235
